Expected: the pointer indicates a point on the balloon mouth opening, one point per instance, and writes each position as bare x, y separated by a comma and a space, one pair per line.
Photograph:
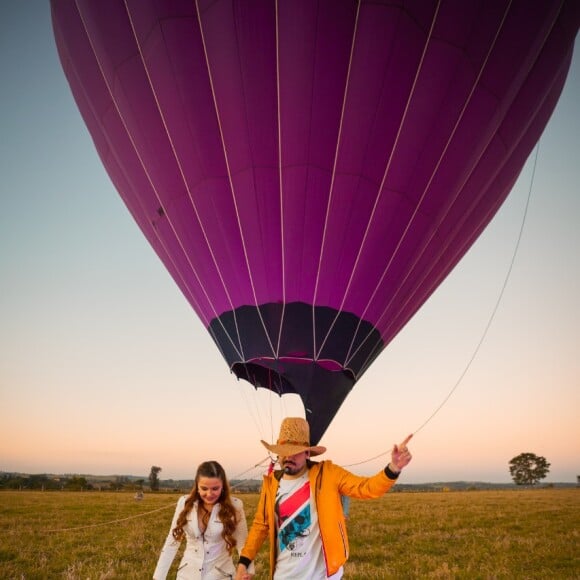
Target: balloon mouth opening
273, 373
321, 390
280, 363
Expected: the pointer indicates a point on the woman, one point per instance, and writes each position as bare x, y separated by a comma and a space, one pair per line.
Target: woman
213, 524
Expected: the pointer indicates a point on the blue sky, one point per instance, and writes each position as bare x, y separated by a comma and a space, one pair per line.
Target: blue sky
104, 367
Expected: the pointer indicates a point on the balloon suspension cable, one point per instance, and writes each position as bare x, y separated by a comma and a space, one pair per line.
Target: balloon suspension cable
251, 402
491, 318
165, 507
279, 391
256, 465
109, 522
498, 301
367, 460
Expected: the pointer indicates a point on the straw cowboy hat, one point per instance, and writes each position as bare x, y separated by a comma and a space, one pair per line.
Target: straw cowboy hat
294, 438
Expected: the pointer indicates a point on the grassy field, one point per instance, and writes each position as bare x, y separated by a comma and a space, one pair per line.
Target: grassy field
472, 534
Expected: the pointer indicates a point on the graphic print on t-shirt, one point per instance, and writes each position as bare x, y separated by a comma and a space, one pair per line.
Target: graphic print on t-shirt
294, 518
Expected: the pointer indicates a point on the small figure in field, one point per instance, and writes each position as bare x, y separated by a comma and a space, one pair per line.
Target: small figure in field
212, 522
300, 509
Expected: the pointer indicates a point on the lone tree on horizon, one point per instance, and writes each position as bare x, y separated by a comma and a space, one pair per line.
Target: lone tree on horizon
154, 478
528, 468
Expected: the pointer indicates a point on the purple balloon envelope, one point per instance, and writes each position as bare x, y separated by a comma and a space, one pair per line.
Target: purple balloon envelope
310, 171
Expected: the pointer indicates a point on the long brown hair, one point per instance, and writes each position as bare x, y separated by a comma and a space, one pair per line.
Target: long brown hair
227, 512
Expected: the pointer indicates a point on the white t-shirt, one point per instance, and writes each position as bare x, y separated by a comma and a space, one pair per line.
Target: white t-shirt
300, 552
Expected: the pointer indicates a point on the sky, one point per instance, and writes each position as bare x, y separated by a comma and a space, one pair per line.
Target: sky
106, 369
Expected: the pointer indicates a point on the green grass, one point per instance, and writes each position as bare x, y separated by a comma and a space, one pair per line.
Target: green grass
476, 534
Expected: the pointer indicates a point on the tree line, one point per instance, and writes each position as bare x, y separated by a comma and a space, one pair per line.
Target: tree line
45, 482
525, 469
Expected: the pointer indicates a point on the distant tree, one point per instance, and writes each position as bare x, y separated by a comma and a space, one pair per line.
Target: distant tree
121, 482
37, 481
13, 481
528, 468
76, 483
154, 478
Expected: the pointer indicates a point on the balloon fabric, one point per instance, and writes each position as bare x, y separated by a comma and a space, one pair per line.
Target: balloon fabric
310, 171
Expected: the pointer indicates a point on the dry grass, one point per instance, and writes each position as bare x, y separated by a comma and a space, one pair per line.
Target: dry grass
478, 534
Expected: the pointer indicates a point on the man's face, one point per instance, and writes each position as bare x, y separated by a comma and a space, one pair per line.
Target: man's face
294, 465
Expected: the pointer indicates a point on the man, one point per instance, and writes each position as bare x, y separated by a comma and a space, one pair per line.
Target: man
300, 509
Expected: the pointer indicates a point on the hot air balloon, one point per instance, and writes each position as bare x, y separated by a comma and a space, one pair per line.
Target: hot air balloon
309, 171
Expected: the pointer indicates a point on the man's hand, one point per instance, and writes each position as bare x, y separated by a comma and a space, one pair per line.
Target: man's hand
401, 456
242, 573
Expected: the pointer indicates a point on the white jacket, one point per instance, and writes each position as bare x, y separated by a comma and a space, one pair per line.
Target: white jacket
206, 556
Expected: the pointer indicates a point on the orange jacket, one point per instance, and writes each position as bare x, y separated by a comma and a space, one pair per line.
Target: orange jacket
327, 482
